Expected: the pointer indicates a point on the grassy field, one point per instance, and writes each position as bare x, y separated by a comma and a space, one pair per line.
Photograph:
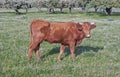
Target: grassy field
98, 56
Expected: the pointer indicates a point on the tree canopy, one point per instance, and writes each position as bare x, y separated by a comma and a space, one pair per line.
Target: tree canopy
107, 5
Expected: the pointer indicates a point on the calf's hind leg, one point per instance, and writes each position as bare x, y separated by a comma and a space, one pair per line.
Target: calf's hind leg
34, 45
37, 52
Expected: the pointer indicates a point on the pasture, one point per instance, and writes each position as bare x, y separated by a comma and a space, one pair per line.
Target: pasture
98, 56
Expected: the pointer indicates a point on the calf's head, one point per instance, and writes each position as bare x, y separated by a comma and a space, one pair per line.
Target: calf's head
87, 27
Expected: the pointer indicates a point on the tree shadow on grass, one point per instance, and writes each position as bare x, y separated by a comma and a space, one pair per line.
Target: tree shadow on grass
58, 12
78, 50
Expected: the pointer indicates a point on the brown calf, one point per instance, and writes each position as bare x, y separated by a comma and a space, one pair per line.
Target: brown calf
67, 33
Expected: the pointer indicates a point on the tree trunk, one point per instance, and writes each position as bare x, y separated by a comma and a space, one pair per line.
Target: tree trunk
61, 9
51, 10
70, 9
96, 8
108, 10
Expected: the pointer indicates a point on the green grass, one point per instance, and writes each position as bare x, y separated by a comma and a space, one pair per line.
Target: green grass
98, 56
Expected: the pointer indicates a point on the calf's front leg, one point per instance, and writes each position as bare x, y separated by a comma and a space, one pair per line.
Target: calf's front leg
62, 48
72, 50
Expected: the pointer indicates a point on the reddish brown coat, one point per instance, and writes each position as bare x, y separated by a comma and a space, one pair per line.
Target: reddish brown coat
67, 33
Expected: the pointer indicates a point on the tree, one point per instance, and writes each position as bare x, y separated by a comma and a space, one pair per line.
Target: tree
82, 3
38, 4
60, 5
51, 4
21, 5
107, 5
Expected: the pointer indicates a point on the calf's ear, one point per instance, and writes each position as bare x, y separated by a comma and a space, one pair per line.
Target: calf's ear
93, 25
79, 27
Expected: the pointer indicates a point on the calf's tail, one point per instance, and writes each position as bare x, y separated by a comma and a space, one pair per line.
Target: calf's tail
31, 32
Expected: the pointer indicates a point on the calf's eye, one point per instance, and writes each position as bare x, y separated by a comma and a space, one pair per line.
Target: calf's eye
80, 29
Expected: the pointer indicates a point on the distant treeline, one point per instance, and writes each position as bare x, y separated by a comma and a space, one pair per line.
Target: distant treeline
105, 5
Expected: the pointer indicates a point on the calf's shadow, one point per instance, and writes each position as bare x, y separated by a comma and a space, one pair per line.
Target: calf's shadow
78, 50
